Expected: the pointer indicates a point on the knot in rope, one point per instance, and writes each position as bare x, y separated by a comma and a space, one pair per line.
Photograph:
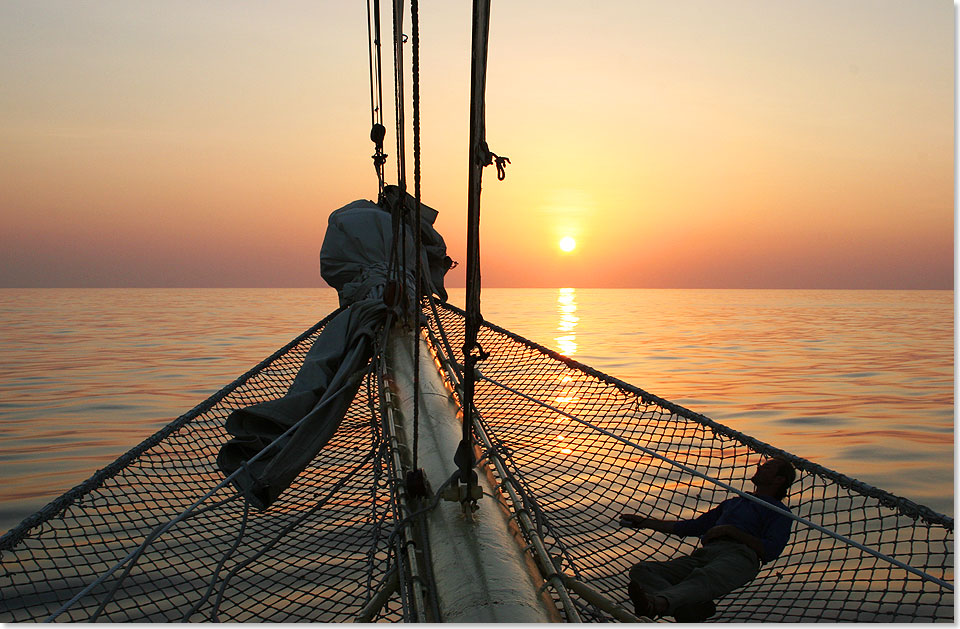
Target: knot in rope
475, 352
501, 166
487, 157
495, 449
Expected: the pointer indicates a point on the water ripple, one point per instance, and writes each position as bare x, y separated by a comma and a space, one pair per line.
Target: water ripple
859, 381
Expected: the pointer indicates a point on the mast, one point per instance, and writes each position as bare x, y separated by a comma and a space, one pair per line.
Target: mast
478, 157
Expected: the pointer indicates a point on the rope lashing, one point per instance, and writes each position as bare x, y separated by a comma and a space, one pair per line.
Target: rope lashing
501, 166
487, 157
481, 354
464, 457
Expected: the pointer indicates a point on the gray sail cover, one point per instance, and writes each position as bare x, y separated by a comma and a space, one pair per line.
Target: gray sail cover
356, 250
354, 259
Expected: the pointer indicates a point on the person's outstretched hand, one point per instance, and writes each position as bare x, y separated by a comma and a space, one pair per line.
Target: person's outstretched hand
632, 520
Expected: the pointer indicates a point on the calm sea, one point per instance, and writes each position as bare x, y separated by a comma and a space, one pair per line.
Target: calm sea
859, 381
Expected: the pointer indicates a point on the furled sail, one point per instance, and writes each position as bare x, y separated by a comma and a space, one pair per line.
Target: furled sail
321, 393
358, 246
355, 258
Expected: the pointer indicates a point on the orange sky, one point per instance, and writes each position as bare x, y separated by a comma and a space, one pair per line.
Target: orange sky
739, 144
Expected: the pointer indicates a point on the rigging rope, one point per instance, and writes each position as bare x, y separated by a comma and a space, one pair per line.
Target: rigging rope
223, 559
377, 130
398, 41
418, 244
285, 531
398, 257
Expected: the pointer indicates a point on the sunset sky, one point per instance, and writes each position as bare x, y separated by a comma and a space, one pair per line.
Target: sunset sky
739, 144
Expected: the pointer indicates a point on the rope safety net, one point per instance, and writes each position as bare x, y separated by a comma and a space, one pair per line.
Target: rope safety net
577, 478
327, 545
318, 555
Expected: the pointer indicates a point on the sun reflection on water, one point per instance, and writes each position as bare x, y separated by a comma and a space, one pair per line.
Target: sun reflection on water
567, 307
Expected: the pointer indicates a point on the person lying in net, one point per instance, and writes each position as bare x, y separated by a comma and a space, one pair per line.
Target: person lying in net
737, 537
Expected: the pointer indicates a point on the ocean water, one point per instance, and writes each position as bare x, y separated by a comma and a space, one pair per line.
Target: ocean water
859, 381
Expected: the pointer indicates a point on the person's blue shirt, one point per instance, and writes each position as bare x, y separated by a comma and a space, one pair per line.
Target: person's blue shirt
770, 527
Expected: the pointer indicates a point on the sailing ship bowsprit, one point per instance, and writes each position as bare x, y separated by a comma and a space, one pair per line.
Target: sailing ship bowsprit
404, 460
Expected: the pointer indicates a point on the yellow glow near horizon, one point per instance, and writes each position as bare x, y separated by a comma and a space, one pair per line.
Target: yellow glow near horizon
567, 244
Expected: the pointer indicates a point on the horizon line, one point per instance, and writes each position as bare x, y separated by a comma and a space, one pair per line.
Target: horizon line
155, 287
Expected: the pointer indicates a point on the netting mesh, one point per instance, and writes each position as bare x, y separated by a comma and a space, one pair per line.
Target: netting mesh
580, 479
317, 555
323, 549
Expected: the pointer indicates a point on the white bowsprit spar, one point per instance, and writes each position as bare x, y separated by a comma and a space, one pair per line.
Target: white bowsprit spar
477, 564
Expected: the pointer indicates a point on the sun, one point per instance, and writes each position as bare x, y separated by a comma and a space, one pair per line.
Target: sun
567, 244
